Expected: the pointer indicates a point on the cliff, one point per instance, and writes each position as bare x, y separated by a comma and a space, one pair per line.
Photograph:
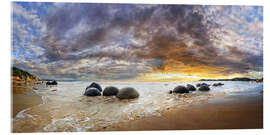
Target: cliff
20, 77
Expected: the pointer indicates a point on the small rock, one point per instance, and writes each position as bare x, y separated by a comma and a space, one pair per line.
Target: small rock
218, 84
51, 83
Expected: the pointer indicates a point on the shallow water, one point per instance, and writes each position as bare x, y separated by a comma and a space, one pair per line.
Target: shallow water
66, 109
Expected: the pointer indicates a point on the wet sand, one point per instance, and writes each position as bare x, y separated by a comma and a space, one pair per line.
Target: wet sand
22, 98
230, 112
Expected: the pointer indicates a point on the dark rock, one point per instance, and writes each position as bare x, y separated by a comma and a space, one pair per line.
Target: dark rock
204, 88
191, 87
218, 84
110, 91
95, 85
170, 91
205, 84
180, 89
51, 83
92, 92
201, 84
127, 93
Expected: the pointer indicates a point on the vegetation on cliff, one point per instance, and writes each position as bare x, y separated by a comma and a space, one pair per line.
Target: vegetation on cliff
23, 75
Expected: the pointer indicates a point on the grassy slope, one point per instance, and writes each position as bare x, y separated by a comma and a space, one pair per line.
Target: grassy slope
22, 74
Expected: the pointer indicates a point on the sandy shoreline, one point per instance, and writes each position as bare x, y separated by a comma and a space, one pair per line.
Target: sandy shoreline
230, 112
221, 112
22, 98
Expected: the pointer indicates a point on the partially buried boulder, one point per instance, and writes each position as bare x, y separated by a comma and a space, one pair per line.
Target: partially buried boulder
92, 92
110, 91
204, 88
201, 84
180, 89
218, 84
95, 85
191, 87
127, 93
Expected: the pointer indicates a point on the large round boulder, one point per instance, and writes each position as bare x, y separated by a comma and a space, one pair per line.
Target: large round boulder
180, 89
95, 85
191, 87
127, 93
110, 91
92, 92
204, 88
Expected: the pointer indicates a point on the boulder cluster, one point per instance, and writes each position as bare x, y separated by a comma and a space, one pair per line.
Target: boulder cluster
130, 93
125, 93
200, 86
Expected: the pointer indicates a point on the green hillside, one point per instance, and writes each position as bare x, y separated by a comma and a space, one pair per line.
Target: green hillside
22, 74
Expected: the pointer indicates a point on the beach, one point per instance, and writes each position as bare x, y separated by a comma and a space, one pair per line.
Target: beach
236, 105
217, 113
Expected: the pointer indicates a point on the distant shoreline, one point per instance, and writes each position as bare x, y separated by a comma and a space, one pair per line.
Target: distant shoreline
234, 79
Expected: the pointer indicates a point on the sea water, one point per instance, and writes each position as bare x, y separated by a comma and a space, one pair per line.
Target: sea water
64, 107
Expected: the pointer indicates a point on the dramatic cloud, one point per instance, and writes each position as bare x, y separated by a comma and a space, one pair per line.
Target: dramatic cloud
134, 41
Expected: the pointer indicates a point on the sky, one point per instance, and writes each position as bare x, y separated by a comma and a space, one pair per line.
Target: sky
137, 42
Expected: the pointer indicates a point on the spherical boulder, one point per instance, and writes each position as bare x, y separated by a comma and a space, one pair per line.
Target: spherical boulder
92, 92
127, 93
110, 91
95, 85
204, 88
191, 87
180, 89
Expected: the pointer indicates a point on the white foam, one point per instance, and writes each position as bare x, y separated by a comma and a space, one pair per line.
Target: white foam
87, 119
22, 114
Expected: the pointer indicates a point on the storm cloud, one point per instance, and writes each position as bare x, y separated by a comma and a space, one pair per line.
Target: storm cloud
125, 41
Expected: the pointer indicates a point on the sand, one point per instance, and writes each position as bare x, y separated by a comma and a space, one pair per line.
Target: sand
22, 97
230, 112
